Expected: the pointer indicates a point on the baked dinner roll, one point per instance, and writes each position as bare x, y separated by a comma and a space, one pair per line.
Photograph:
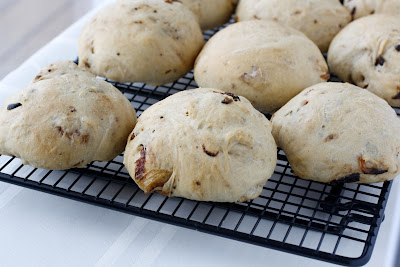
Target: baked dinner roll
210, 13
262, 60
361, 8
148, 41
370, 60
320, 20
336, 132
202, 144
65, 118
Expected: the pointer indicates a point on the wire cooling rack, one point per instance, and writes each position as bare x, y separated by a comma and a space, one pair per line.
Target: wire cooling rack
334, 223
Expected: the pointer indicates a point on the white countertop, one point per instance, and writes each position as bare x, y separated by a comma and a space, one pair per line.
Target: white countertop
38, 229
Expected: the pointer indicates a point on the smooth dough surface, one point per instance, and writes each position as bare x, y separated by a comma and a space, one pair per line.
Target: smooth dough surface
336, 132
65, 118
149, 41
264, 61
370, 60
320, 20
210, 13
361, 8
202, 144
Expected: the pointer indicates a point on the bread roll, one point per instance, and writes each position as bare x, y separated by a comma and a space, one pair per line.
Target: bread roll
209, 13
149, 41
320, 20
370, 60
264, 61
361, 8
340, 133
202, 144
65, 118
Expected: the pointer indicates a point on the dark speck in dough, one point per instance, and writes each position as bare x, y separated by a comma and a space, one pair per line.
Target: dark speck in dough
376, 171
330, 137
379, 61
353, 11
397, 96
227, 100
140, 165
12, 106
211, 154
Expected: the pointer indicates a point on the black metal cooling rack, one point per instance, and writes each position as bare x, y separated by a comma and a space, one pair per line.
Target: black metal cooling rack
334, 223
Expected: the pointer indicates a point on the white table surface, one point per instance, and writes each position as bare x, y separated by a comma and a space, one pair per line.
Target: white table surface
38, 229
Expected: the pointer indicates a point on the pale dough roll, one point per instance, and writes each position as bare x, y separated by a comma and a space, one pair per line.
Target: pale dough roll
65, 118
202, 144
337, 132
370, 60
264, 61
361, 8
149, 41
320, 20
209, 13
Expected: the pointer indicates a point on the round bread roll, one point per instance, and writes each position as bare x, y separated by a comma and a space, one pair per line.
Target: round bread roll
65, 118
361, 8
264, 61
320, 20
210, 13
370, 60
202, 144
148, 41
336, 132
